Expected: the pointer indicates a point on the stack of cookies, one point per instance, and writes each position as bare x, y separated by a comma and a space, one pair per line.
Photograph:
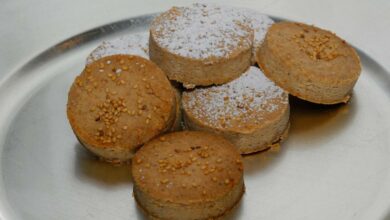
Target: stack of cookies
223, 75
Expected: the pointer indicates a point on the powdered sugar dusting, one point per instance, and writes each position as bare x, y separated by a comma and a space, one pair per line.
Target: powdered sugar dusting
134, 44
201, 31
242, 102
258, 22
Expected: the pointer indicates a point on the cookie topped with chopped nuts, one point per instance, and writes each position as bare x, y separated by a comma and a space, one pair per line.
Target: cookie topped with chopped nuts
309, 62
118, 103
185, 172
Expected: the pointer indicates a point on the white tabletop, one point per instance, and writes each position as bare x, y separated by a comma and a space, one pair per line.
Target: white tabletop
29, 27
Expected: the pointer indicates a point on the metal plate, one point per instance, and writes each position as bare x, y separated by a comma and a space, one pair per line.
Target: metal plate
334, 165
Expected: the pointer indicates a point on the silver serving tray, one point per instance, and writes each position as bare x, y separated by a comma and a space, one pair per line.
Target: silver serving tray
334, 165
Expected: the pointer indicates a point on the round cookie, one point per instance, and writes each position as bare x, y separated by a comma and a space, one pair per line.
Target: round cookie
187, 175
251, 111
118, 103
132, 44
200, 45
310, 63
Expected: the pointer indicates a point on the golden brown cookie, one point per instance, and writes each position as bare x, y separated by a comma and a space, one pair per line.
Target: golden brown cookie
200, 45
118, 103
187, 175
310, 63
251, 111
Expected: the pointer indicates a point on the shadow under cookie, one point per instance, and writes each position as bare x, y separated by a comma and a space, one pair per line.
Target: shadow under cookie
323, 121
88, 166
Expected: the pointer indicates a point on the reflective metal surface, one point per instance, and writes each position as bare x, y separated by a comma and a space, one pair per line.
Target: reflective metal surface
334, 165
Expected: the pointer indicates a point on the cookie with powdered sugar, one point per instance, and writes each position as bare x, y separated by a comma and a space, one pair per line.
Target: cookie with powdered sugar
259, 23
132, 44
201, 45
251, 111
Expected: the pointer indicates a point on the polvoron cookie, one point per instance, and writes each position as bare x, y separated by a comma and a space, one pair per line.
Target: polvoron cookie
118, 103
187, 175
134, 44
251, 111
200, 45
310, 63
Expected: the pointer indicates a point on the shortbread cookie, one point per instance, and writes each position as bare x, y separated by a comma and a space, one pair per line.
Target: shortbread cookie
118, 103
251, 111
132, 44
200, 45
187, 176
310, 63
